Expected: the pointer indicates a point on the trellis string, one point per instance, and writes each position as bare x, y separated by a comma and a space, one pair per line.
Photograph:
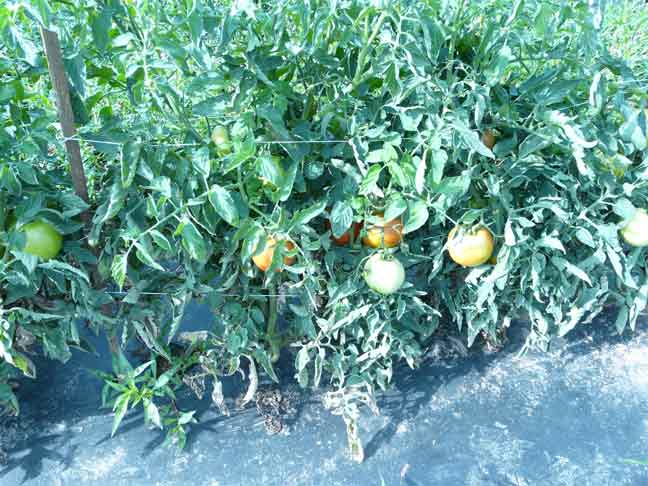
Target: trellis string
226, 294
259, 142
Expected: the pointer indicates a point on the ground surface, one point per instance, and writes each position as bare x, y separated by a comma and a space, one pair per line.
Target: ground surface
577, 415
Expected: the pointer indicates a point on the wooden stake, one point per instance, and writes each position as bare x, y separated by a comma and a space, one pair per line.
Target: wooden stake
66, 118
65, 113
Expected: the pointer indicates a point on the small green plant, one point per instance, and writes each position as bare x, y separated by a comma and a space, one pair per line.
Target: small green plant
147, 385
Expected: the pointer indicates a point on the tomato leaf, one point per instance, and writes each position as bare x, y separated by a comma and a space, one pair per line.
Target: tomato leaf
201, 161
369, 184
152, 414
62, 267
396, 205
224, 204
161, 240
306, 215
120, 409
261, 356
193, 242
624, 208
585, 237
143, 255
417, 216
130, 155
471, 139
302, 359
438, 160
551, 242
118, 269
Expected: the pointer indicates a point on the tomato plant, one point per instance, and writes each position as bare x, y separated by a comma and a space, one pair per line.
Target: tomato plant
207, 127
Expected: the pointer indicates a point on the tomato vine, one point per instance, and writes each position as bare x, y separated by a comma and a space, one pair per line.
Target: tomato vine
345, 130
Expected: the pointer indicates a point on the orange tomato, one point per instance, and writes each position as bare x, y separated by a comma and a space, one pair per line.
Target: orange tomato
345, 239
264, 259
488, 138
470, 247
390, 233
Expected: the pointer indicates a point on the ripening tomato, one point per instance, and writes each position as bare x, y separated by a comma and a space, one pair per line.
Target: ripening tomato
488, 138
383, 274
389, 233
264, 259
635, 233
220, 137
42, 240
470, 247
345, 239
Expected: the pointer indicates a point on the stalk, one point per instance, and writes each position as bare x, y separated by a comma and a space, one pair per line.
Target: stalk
362, 58
271, 329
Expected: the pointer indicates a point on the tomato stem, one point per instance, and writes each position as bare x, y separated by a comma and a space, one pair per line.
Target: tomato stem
362, 57
271, 329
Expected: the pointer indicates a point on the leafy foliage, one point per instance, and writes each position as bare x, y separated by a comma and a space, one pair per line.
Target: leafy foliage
335, 111
626, 32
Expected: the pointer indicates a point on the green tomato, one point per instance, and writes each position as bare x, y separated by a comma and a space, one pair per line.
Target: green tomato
220, 137
384, 275
42, 240
313, 169
635, 233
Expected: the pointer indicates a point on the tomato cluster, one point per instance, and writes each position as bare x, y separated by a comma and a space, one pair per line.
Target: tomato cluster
385, 274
